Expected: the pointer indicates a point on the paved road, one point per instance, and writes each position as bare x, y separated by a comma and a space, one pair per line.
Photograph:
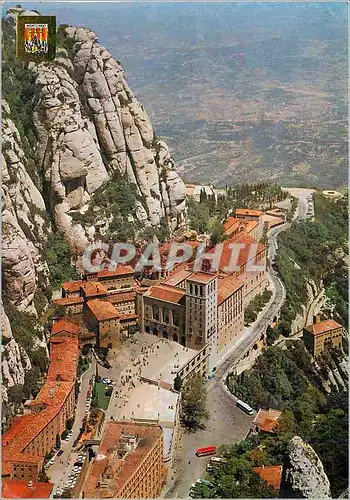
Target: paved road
227, 423
62, 466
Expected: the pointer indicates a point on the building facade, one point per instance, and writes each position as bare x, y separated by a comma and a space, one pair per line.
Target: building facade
230, 310
201, 311
164, 312
102, 317
322, 334
32, 435
129, 462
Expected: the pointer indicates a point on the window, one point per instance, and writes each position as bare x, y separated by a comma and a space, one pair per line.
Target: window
155, 312
166, 315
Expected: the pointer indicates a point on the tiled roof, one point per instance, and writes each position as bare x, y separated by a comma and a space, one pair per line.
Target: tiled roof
244, 253
119, 271
250, 226
248, 212
67, 301
267, 420
63, 360
102, 309
72, 286
230, 223
177, 277
272, 474
53, 394
65, 325
202, 277
93, 288
16, 488
228, 286
166, 293
128, 317
324, 326
117, 298
148, 435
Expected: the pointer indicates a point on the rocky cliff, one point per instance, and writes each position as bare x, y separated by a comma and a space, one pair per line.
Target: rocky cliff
304, 476
73, 134
89, 126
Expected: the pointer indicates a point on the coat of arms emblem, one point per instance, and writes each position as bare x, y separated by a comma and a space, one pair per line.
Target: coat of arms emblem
36, 38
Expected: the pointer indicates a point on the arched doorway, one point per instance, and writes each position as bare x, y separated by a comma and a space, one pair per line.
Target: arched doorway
165, 334
175, 338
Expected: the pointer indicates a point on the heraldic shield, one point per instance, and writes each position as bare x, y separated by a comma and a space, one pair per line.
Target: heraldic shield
36, 38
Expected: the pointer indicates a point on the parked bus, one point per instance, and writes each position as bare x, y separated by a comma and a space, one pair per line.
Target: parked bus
243, 406
203, 452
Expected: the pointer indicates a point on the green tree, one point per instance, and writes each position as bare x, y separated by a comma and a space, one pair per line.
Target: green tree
330, 439
43, 477
58, 441
69, 423
177, 383
16, 394
193, 407
216, 232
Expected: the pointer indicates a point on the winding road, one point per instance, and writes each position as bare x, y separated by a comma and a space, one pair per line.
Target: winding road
227, 423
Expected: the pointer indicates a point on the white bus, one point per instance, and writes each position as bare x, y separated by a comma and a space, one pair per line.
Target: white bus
243, 406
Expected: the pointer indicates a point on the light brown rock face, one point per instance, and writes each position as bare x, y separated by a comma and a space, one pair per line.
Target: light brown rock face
24, 225
89, 125
14, 361
304, 476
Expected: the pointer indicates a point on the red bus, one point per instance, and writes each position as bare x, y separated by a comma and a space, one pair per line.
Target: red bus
203, 452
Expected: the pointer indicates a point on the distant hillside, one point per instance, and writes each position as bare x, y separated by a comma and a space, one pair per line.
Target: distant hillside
237, 90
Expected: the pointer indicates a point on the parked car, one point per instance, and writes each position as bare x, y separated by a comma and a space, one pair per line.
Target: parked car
59, 453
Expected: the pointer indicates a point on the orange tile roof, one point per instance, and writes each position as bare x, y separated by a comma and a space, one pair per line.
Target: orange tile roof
177, 277
102, 309
63, 360
93, 288
166, 293
16, 488
202, 277
67, 301
248, 212
230, 222
250, 225
267, 420
18, 424
119, 271
127, 317
148, 436
65, 325
52, 395
244, 252
72, 286
324, 326
117, 298
228, 286
272, 474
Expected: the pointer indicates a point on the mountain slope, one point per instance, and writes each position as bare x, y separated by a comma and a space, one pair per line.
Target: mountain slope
80, 161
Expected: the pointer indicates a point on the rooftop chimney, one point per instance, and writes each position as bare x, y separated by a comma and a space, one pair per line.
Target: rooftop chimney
317, 319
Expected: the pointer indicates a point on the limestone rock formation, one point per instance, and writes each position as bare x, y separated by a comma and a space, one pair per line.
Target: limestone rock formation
304, 476
89, 124
15, 362
24, 222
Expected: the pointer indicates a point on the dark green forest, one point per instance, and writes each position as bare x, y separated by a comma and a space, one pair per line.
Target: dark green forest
288, 380
315, 250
